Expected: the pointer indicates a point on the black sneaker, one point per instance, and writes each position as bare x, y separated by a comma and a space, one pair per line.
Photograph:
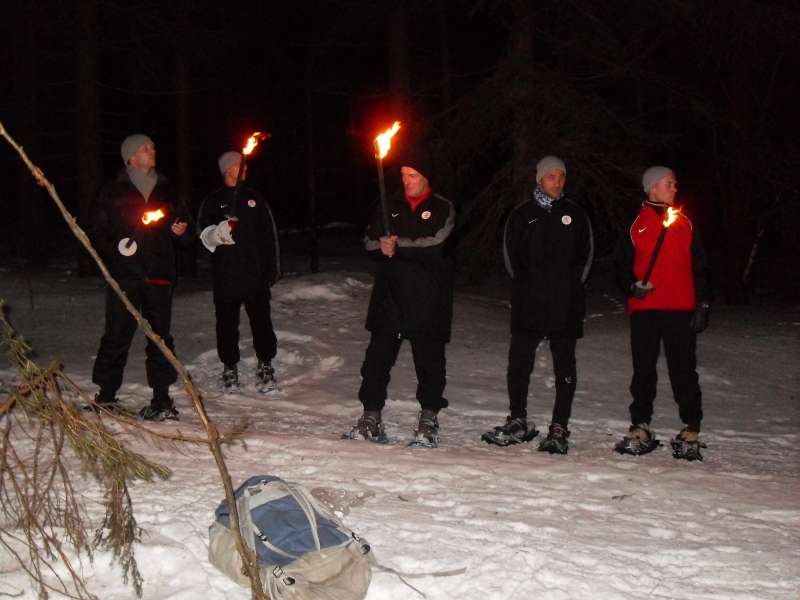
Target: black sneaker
514, 431
230, 376
103, 401
159, 413
687, 445
265, 376
369, 427
556, 440
426, 435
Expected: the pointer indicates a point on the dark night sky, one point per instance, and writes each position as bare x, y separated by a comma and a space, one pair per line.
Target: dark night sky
707, 87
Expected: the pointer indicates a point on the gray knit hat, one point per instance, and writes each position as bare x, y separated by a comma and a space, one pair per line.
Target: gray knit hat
547, 164
228, 159
652, 175
132, 143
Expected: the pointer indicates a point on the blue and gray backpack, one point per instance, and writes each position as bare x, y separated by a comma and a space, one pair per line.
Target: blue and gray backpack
303, 551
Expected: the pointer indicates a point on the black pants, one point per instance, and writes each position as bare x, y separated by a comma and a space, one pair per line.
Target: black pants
429, 363
155, 303
521, 357
227, 309
648, 329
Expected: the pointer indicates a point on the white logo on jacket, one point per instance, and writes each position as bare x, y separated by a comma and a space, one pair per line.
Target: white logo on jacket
426, 215
566, 219
251, 203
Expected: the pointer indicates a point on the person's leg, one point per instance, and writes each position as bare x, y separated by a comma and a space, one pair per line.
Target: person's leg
564, 368
379, 359
431, 367
521, 356
116, 341
256, 304
680, 348
227, 311
157, 309
645, 348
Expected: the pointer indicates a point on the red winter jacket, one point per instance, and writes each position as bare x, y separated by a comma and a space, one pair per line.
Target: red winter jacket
680, 277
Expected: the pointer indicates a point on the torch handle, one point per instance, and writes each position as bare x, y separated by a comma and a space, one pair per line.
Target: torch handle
653, 257
387, 229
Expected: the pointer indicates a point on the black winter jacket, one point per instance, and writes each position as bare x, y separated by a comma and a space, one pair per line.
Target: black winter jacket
548, 255
253, 262
117, 213
413, 291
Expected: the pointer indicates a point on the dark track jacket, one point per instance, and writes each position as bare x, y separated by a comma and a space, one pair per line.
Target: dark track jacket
413, 291
117, 213
680, 277
548, 255
253, 262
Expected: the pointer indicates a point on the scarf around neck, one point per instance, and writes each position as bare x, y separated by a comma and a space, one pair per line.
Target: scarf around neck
543, 200
144, 182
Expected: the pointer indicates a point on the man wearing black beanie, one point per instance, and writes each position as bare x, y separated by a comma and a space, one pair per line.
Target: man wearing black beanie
412, 299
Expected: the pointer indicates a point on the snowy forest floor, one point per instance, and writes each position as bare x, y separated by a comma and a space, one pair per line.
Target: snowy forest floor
591, 524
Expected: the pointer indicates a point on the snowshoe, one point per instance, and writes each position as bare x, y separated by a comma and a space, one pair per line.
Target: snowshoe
369, 427
515, 431
104, 404
230, 377
160, 413
556, 440
265, 377
640, 440
426, 435
686, 445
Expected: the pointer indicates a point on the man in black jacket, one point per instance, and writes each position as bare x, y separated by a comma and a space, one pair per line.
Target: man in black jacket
548, 249
237, 227
412, 298
136, 222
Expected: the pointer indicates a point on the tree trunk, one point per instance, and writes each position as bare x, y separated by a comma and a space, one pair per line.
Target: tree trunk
28, 228
87, 121
399, 79
183, 129
521, 57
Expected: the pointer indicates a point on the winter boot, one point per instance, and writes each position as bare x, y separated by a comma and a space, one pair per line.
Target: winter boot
368, 427
687, 444
640, 440
515, 431
426, 435
104, 400
556, 440
161, 408
265, 376
230, 377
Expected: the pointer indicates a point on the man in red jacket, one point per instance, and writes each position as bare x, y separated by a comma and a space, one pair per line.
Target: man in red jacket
662, 266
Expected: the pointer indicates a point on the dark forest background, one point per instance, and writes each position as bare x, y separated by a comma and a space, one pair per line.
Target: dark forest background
709, 88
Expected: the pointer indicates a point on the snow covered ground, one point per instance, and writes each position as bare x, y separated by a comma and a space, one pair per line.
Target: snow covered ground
591, 524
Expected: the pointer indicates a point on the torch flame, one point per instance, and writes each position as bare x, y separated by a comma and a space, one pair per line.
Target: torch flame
672, 216
151, 216
252, 142
384, 140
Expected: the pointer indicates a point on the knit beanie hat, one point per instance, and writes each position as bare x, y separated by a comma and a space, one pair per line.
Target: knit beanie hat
131, 144
228, 159
652, 175
418, 157
547, 164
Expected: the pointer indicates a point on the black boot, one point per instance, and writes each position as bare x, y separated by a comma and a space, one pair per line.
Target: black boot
265, 376
161, 408
426, 435
230, 377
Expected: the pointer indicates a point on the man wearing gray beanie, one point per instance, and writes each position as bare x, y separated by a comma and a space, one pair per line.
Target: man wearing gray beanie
548, 248
237, 228
137, 221
662, 266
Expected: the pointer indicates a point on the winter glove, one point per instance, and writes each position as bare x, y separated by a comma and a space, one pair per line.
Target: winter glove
217, 235
702, 313
639, 290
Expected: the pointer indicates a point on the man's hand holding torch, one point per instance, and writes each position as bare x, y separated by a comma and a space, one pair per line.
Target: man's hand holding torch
388, 245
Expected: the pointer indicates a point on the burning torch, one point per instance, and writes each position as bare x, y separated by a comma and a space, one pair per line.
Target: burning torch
382, 144
669, 219
128, 246
249, 146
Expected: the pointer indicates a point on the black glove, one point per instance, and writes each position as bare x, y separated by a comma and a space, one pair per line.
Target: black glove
639, 290
702, 313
